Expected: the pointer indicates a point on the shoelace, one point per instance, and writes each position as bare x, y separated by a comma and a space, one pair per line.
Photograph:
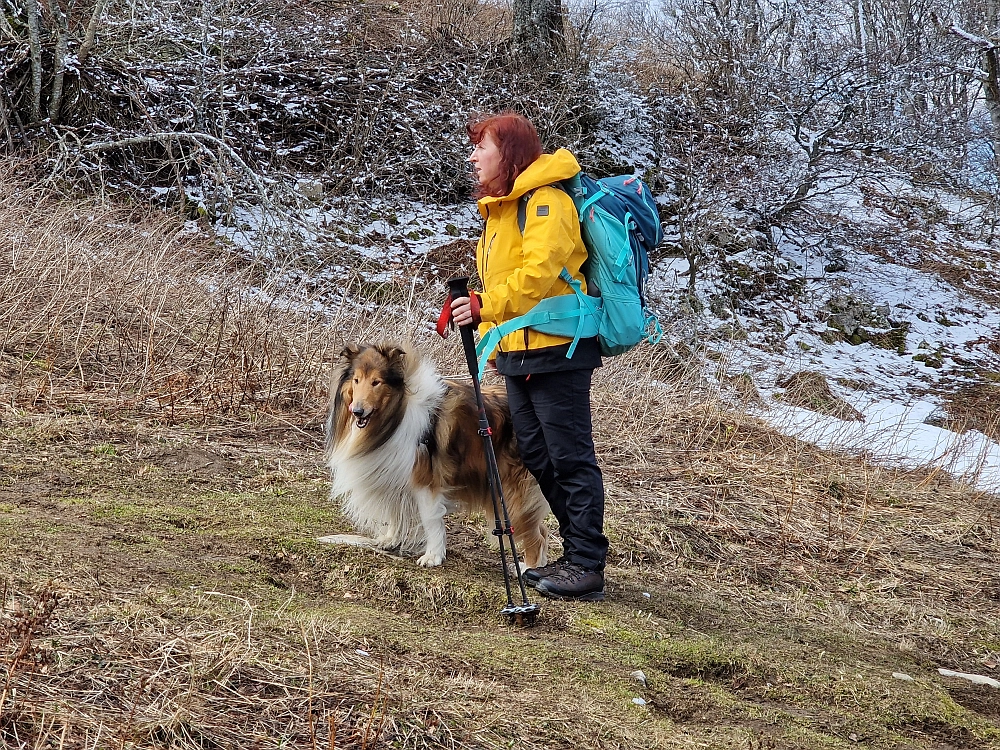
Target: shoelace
573, 572
552, 567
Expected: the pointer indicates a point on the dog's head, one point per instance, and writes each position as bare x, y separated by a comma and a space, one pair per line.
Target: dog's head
372, 384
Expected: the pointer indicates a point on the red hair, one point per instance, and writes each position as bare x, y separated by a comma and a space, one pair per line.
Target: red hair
518, 143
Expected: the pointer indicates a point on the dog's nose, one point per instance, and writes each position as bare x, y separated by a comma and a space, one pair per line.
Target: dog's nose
358, 411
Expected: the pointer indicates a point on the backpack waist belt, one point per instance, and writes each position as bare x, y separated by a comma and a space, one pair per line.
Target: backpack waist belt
576, 316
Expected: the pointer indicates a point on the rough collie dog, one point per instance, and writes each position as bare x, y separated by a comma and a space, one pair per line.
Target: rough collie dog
404, 449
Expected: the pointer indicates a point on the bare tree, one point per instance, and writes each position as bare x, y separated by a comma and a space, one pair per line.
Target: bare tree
988, 73
538, 27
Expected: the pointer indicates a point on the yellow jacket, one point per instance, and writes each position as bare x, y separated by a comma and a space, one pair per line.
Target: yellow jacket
518, 271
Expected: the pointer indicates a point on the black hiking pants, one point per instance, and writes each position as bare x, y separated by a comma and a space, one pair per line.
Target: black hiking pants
552, 423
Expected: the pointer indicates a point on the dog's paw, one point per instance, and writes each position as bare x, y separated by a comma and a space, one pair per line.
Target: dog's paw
387, 542
430, 559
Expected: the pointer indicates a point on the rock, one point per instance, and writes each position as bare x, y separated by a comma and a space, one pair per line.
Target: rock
836, 265
639, 701
894, 338
902, 676
844, 322
937, 418
310, 189
930, 360
977, 679
639, 676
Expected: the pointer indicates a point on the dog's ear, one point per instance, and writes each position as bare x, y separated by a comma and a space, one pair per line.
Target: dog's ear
395, 359
349, 352
395, 354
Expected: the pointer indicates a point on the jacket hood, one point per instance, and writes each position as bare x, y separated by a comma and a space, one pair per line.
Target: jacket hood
545, 170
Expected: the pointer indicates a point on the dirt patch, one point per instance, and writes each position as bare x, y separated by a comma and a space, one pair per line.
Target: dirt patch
192, 460
936, 730
982, 699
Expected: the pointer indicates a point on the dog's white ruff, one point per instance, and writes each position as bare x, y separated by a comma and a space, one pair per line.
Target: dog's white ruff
378, 496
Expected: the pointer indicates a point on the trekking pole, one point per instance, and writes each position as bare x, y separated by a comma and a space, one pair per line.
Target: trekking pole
524, 613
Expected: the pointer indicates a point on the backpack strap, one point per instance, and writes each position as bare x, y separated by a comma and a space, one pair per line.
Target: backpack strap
522, 204
522, 210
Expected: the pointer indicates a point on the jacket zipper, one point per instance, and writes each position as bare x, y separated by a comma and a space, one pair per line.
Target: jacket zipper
486, 248
486, 256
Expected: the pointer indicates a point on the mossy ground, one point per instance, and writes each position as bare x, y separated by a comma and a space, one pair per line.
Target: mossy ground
195, 603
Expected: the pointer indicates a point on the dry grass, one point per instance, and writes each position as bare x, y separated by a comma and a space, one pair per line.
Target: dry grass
195, 683
976, 407
115, 309
164, 590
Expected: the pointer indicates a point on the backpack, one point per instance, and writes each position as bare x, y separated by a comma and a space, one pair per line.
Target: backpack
620, 225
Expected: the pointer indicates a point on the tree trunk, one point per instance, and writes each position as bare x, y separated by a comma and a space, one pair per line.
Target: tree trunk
35, 45
91, 33
538, 27
992, 95
61, 23
5, 123
992, 83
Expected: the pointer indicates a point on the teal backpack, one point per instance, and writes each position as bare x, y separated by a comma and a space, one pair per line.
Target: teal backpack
620, 226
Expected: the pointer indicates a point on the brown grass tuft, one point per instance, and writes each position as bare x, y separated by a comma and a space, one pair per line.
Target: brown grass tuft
809, 390
118, 310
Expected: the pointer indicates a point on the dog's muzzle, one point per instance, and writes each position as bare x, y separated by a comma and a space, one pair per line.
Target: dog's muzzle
360, 416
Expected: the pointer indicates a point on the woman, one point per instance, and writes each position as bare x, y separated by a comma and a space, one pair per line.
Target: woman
549, 393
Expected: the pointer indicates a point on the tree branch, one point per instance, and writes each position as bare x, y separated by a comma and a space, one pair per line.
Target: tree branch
199, 139
984, 44
91, 33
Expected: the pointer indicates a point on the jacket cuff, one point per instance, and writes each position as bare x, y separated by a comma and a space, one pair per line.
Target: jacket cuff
486, 312
476, 306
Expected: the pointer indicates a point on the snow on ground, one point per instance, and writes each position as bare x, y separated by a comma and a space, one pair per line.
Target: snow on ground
896, 433
949, 331
382, 242
380, 230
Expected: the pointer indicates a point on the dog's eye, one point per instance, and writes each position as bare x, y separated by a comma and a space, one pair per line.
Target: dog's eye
376, 383
357, 380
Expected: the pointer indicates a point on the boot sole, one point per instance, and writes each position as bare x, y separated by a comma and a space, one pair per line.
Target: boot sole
593, 596
531, 583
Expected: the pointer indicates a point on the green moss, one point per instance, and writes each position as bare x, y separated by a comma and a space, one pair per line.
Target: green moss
894, 338
933, 359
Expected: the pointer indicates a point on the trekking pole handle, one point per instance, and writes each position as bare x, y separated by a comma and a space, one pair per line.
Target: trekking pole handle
459, 287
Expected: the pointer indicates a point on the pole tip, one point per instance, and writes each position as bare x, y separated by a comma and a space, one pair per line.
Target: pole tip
522, 615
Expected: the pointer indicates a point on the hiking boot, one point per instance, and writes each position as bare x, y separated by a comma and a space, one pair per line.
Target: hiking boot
533, 575
573, 581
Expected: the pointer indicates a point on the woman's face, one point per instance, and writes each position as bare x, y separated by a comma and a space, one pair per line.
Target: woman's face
485, 160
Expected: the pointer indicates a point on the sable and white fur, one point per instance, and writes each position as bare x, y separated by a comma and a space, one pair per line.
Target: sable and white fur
403, 449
